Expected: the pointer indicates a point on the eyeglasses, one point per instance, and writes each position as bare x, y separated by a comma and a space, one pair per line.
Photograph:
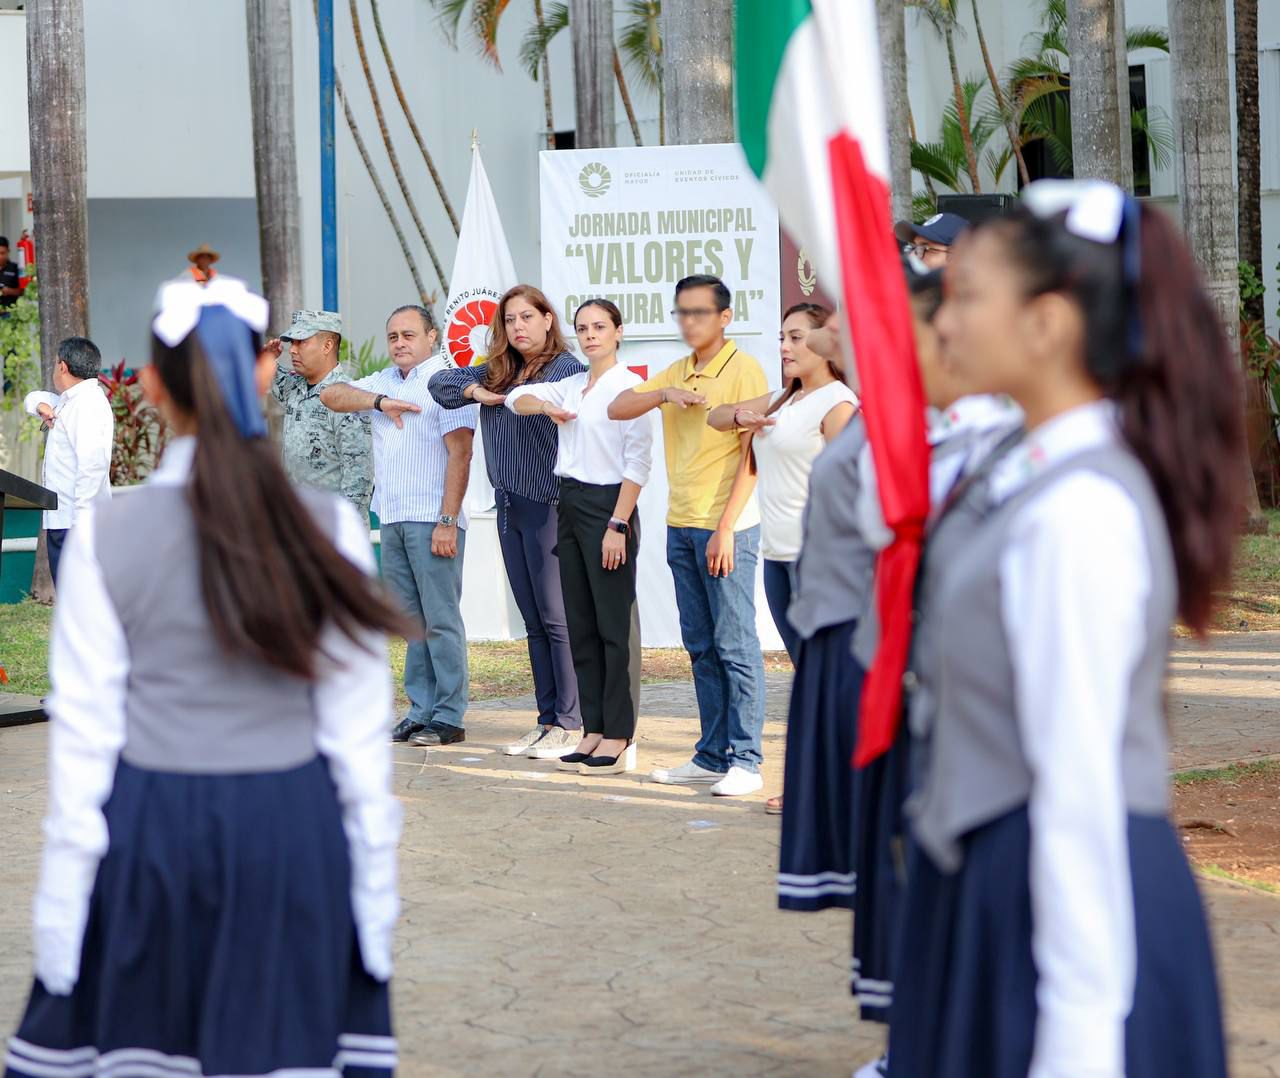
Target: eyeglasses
922, 249
681, 313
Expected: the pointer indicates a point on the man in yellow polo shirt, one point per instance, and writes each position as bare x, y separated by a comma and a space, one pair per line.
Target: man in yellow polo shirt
713, 536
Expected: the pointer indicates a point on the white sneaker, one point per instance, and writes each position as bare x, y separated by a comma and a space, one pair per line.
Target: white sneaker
556, 742
519, 748
737, 782
685, 775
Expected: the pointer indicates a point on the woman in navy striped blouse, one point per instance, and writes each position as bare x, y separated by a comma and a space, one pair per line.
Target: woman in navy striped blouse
526, 346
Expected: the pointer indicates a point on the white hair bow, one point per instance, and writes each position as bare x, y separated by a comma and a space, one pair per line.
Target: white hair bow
179, 303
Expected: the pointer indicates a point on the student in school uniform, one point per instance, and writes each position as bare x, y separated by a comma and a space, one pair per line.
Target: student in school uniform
966, 434
217, 893
603, 464
1051, 924
789, 428
526, 347
832, 588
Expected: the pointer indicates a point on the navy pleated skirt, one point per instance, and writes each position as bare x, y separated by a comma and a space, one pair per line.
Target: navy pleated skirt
879, 859
965, 1006
816, 867
220, 939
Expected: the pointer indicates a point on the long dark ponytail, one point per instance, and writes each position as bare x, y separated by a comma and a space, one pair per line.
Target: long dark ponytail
271, 577
1175, 381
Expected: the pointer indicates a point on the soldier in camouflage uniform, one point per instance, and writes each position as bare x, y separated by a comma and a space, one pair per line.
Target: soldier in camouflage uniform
325, 449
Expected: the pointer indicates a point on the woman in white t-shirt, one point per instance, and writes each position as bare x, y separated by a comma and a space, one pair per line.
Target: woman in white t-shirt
791, 427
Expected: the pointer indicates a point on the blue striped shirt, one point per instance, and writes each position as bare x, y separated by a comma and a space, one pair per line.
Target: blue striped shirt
409, 462
519, 451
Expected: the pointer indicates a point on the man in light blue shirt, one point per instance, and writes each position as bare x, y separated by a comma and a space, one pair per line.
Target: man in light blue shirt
421, 461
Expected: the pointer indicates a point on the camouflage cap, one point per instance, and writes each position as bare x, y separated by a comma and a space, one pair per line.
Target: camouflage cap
309, 323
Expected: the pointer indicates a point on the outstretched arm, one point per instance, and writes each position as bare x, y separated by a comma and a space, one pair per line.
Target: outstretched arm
725, 417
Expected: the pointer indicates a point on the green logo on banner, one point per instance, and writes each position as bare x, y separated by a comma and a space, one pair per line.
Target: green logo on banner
594, 180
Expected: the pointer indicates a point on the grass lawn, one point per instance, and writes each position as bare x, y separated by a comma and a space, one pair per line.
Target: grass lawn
499, 669
1253, 600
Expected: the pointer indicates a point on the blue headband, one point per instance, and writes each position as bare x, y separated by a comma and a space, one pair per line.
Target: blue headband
229, 346
1130, 239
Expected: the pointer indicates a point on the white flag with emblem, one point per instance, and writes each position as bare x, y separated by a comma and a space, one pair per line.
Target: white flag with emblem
482, 272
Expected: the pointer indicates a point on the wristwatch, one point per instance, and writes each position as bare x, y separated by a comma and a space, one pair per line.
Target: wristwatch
448, 520
377, 402
619, 526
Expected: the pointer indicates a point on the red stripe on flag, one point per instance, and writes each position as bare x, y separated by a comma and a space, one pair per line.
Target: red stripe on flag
879, 320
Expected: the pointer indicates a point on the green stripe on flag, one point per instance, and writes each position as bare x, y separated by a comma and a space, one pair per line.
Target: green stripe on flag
763, 29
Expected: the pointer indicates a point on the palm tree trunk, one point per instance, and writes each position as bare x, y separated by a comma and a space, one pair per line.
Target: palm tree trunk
275, 155
546, 83
1249, 149
408, 115
1015, 140
391, 152
697, 70
662, 113
591, 32
625, 93
966, 132
893, 53
427, 299
1123, 104
1095, 110
1207, 200
56, 118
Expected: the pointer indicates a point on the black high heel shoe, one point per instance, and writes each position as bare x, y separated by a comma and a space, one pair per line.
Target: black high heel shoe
610, 765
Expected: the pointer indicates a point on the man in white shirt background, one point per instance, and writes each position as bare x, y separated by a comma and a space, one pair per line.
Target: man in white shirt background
421, 463
77, 454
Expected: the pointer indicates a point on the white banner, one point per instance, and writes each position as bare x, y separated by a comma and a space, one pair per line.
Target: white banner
627, 224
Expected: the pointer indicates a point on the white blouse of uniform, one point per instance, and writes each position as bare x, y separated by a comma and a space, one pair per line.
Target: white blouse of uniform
594, 448
89, 668
785, 454
986, 418
1075, 581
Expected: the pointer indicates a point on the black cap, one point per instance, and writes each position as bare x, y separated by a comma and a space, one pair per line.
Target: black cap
942, 229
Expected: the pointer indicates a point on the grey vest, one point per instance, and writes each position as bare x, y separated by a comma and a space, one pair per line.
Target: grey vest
189, 706
834, 570
976, 769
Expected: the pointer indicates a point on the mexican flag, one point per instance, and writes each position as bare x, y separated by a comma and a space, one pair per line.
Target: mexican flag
812, 124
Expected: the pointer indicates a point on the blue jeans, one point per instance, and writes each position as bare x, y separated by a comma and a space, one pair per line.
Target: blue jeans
779, 585
718, 626
430, 589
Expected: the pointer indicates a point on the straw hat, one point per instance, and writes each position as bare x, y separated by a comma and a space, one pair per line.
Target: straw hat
203, 249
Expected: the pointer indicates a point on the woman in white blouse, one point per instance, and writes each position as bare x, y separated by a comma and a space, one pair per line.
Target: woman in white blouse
217, 893
1051, 925
602, 464
791, 427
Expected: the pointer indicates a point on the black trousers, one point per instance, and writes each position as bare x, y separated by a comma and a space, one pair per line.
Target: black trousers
600, 607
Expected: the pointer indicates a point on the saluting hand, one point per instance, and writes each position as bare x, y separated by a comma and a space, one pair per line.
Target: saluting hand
273, 348
484, 396
684, 398
558, 416
396, 410
746, 419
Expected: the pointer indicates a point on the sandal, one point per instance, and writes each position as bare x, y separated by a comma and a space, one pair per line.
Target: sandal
773, 807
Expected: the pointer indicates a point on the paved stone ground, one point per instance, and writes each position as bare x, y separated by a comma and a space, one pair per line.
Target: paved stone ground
555, 925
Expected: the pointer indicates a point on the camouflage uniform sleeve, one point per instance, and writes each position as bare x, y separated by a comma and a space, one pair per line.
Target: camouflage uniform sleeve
355, 453
284, 380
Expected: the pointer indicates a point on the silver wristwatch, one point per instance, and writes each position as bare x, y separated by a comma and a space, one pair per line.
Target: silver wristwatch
448, 520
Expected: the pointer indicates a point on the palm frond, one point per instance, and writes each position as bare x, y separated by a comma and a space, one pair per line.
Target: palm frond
923, 206
938, 162
1155, 124
1147, 37
486, 16
997, 162
450, 17
533, 45
640, 42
